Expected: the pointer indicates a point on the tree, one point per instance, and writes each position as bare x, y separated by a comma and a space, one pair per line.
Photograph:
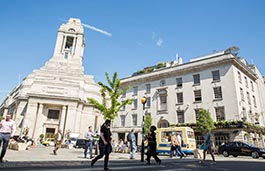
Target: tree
205, 121
112, 93
147, 123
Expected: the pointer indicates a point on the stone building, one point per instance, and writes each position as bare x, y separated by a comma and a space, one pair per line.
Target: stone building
225, 85
54, 96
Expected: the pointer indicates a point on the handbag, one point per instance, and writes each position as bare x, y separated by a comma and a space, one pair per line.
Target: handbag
203, 147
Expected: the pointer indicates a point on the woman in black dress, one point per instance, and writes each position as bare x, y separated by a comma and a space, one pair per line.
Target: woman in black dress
151, 149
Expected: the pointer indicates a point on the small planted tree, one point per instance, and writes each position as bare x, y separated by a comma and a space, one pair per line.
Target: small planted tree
205, 121
147, 123
110, 93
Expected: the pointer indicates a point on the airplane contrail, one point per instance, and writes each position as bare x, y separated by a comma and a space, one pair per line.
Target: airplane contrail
93, 28
97, 29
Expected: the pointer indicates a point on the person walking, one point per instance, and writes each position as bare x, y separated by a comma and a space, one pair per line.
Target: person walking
173, 146
179, 145
132, 140
151, 138
104, 145
89, 142
7, 131
58, 139
208, 147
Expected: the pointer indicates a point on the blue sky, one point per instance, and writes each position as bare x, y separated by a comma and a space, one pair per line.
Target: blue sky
144, 32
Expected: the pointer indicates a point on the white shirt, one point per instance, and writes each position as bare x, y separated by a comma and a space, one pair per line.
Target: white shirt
8, 127
59, 138
179, 139
89, 135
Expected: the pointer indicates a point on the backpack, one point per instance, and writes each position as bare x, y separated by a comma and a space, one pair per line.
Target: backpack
128, 137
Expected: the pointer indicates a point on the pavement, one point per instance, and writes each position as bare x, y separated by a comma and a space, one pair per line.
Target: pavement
40, 157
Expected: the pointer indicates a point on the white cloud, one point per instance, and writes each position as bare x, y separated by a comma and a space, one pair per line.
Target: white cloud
159, 42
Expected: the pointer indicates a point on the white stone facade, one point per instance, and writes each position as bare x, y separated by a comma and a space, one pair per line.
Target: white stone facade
55, 96
171, 103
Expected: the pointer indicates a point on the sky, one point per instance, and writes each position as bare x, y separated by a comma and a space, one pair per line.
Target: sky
135, 33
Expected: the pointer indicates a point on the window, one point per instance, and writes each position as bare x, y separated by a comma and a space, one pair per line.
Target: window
134, 120
162, 83
196, 79
49, 132
216, 75
69, 42
122, 120
179, 98
66, 54
252, 86
197, 96
179, 82
71, 30
239, 77
163, 124
162, 99
254, 101
248, 97
244, 114
242, 94
246, 81
147, 88
221, 138
123, 107
134, 104
148, 102
123, 95
180, 115
53, 114
135, 91
220, 113
163, 102
217, 93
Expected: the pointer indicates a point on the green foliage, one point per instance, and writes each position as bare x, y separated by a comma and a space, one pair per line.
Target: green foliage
147, 123
204, 121
1, 118
110, 92
160, 65
41, 136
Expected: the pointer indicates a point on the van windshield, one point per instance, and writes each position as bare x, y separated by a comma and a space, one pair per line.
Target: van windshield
190, 134
166, 135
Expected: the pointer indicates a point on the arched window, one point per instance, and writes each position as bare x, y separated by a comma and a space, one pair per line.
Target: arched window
163, 124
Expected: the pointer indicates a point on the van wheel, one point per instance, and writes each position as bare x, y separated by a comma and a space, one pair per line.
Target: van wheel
225, 154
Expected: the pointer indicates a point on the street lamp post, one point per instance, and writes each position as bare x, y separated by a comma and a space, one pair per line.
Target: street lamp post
143, 101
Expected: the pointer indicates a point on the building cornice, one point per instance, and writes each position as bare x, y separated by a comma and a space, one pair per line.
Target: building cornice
190, 67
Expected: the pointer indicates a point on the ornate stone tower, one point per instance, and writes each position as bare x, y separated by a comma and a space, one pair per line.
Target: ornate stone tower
54, 96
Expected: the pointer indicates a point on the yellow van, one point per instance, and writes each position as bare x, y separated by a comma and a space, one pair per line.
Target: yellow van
163, 138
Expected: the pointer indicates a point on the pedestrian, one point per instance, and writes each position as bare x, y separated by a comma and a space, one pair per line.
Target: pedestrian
7, 131
89, 142
58, 139
151, 147
132, 140
208, 147
104, 145
173, 145
179, 145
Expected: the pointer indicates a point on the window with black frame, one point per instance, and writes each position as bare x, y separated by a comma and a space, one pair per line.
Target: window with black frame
53, 114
